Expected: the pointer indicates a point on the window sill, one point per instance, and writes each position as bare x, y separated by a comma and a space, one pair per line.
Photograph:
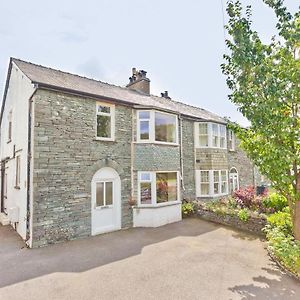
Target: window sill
156, 143
212, 196
232, 150
104, 139
142, 206
218, 148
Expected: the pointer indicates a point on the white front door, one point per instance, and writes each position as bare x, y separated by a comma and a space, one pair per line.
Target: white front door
106, 201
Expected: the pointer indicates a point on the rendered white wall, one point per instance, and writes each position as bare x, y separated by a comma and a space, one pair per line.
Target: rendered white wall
156, 216
17, 100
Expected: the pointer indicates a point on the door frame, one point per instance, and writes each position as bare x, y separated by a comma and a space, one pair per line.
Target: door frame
106, 174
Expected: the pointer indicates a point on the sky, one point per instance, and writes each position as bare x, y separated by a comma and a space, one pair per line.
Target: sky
179, 43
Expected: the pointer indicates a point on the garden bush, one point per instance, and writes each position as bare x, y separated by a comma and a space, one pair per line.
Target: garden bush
244, 214
275, 201
187, 208
245, 197
281, 241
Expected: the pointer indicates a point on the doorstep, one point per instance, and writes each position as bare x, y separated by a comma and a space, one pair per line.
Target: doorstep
4, 220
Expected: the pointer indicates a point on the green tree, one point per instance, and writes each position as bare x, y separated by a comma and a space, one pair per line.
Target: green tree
264, 82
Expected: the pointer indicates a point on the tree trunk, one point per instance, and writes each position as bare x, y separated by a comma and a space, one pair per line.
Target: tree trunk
296, 220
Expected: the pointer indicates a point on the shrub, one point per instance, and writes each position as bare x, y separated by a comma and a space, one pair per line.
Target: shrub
284, 247
245, 197
281, 220
275, 201
187, 208
244, 215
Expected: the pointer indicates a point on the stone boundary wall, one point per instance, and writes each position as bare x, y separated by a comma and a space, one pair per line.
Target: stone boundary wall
253, 225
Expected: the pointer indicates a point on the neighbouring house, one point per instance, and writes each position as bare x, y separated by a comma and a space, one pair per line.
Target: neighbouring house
81, 157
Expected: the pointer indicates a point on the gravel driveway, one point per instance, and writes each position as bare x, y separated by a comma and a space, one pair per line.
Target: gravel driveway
192, 259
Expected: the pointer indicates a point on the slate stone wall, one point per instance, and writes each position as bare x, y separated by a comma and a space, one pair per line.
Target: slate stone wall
239, 160
66, 156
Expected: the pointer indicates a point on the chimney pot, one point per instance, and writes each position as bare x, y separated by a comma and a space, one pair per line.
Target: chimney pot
139, 81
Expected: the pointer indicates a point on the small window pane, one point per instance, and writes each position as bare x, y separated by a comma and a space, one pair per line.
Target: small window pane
99, 193
204, 176
203, 128
222, 130
165, 128
103, 109
145, 188
224, 187
145, 176
223, 175
216, 188
144, 130
166, 187
108, 193
104, 126
204, 188
203, 140
216, 176
144, 115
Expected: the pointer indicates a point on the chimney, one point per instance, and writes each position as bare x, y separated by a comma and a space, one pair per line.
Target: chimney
165, 94
139, 82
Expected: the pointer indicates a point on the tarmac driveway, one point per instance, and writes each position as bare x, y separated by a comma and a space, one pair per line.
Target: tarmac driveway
192, 259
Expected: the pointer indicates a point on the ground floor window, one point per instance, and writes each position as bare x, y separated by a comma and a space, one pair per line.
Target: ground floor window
211, 183
157, 187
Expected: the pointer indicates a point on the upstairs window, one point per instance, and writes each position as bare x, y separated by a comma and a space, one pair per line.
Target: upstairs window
156, 127
203, 134
210, 135
105, 121
231, 140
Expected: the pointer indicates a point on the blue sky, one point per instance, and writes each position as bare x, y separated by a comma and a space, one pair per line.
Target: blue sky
179, 43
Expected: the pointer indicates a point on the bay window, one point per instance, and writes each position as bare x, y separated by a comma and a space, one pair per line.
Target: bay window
211, 183
105, 114
231, 142
158, 187
157, 127
210, 135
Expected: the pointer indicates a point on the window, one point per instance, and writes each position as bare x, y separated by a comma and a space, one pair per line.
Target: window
231, 141
158, 187
9, 126
222, 136
17, 183
105, 121
204, 182
166, 187
144, 125
233, 180
211, 183
145, 188
104, 193
203, 134
210, 135
165, 128
153, 126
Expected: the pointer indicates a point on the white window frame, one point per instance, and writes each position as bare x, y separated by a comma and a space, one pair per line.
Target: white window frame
111, 114
104, 194
231, 140
211, 184
153, 189
210, 135
152, 127
18, 172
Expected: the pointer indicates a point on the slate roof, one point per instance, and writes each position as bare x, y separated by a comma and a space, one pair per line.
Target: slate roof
52, 78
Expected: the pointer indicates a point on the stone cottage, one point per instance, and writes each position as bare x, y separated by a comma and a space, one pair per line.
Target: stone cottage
80, 157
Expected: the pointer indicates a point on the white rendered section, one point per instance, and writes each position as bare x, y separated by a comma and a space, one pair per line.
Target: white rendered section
156, 216
17, 103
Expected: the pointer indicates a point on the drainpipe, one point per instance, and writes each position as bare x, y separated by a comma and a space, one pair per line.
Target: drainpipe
29, 156
181, 154
132, 152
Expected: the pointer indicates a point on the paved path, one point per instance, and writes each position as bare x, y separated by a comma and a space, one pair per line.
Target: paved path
192, 259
